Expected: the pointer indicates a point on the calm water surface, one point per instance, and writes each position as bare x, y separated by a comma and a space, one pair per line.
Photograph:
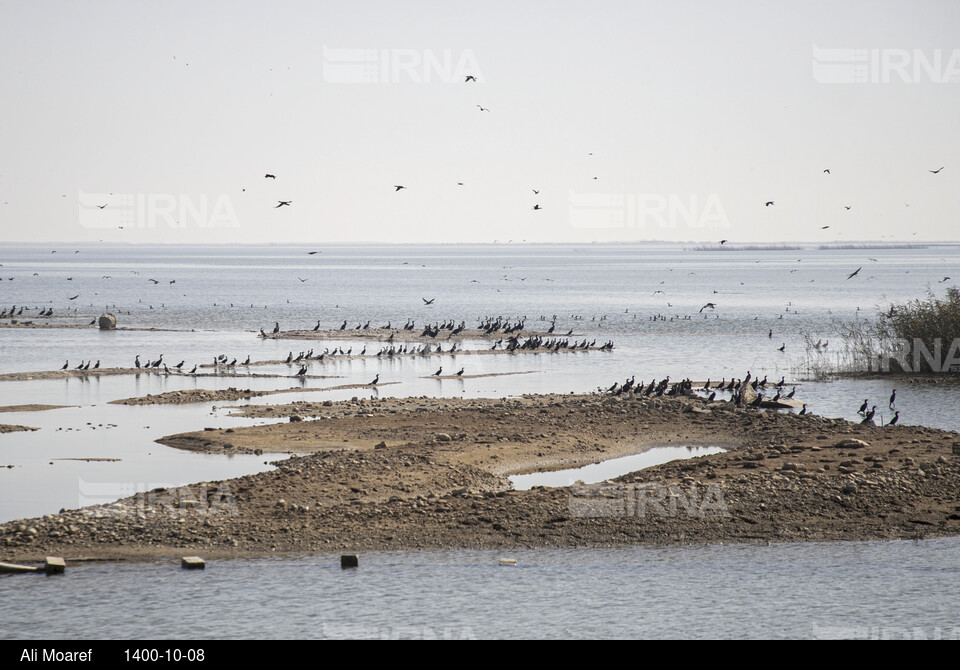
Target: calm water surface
820, 590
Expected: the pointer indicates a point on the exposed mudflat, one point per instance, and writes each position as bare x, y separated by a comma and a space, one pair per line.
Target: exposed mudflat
431, 473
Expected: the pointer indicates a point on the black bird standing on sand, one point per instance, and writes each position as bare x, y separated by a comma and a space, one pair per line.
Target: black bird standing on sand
65, 365
869, 418
437, 373
375, 380
276, 327
460, 374
804, 410
317, 327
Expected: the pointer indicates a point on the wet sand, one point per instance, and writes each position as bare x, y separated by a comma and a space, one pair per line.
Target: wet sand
31, 408
9, 428
205, 395
428, 473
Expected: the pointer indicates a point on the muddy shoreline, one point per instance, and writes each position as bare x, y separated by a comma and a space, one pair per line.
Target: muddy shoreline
428, 473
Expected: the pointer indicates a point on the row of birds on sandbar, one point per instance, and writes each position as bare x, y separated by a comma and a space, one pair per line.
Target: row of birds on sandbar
737, 388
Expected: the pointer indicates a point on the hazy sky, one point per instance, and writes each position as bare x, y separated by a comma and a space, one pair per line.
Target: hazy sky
691, 116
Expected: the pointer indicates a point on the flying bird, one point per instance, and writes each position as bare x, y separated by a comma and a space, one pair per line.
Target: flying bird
269, 176
710, 305
935, 171
537, 207
827, 171
854, 273
428, 302
283, 202
398, 187
483, 109
470, 77
768, 203
303, 280
722, 242
74, 297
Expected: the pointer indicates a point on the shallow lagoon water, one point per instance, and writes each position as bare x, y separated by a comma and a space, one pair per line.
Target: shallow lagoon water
864, 590
610, 468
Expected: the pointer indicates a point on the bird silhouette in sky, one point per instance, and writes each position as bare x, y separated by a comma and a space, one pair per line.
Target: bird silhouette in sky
935, 171
854, 273
269, 176
283, 202
398, 187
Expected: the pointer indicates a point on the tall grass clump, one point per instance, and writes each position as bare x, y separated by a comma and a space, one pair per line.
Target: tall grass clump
919, 336
929, 327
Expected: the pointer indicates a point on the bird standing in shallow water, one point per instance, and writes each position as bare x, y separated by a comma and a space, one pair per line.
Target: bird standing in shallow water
893, 398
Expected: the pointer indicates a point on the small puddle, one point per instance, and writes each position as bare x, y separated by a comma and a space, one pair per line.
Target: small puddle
615, 467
